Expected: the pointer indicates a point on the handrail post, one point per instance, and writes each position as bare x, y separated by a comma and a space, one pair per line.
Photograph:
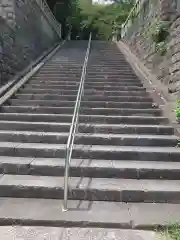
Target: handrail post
125, 24
73, 127
66, 188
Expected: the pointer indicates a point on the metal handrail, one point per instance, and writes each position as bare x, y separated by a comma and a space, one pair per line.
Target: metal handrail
72, 132
125, 24
50, 16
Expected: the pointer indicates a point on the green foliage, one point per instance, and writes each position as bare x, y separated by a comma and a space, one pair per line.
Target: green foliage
173, 231
83, 17
178, 110
158, 33
161, 47
104, 20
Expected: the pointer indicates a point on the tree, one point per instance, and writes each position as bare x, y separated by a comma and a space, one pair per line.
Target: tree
62, 10
84, 17
101, 19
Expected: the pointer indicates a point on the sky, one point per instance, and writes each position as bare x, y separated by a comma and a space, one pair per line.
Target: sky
101, 1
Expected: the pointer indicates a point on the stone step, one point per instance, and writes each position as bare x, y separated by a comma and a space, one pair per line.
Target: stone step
87, 128
110, 75
95, 168
55, 78
57, 97
122, 72
99, 63
83, 110
79, 71
62, 74
73, 67
52, 91
58, 64
102, 119
75, 78
101, 104
13, 232
89, 138
51, 86
122, 67
90, 151
87, 88
87, 84
60, 70
104, 64
116, 79
101, 189
74, 92
97, 214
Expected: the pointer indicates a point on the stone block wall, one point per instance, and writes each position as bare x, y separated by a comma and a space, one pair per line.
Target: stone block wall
25, 34
166, 67
7, 11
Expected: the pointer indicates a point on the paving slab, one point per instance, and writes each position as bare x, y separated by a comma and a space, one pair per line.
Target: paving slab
49, 212
50, 233
93, 189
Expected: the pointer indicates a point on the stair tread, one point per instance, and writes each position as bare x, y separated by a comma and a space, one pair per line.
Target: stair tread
54, 101
90, 135
91, 124
94, 163
91, 108
84, 213
99, 184
91, 148
145, 173
99, 116
83, 233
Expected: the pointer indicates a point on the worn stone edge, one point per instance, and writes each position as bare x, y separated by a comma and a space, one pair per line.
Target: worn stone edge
83, 224
157, 90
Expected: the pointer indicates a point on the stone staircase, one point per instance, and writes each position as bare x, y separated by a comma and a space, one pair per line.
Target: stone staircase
125, 170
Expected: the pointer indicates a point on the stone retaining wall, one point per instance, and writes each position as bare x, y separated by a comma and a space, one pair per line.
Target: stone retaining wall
7, 10
166, 67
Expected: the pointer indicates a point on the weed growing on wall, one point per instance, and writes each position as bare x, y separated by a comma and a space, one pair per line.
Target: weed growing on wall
178, 110
158, 33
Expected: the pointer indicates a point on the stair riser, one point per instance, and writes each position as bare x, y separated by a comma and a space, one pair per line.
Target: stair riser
84, 119
74, 92
91, 172
60, 70
67, 68
111, 75
88, 84
87, 139
85, 129
90, 194
87, 88
85, 98
109, 78
86, 153
126, 130
73, 65
63, 71
45, 91
97, 74
51, 103
111, 72
88, 111
49, 86
103, 64
107, 59
59, 75
97, 64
